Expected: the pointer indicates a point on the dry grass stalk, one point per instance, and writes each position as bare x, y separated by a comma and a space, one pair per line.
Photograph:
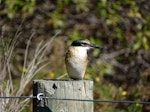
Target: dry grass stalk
6, 86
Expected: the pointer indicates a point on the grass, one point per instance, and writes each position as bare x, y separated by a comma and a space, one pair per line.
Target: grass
29, 70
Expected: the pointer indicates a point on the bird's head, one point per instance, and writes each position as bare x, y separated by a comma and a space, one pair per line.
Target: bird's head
85, 43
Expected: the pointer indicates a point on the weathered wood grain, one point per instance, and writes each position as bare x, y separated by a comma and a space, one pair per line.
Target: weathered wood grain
80, 89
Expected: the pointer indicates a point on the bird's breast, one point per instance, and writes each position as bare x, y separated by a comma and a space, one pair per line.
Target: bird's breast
76, 62
77, 55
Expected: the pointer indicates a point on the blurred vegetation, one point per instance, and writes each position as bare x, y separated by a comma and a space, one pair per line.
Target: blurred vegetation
120, 72
10, 8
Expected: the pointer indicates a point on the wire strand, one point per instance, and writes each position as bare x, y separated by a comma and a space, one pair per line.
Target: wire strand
69, 99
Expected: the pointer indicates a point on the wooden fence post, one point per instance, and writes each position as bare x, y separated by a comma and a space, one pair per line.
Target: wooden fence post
79, 89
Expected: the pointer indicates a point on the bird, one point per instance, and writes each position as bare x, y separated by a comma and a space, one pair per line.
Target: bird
76, 58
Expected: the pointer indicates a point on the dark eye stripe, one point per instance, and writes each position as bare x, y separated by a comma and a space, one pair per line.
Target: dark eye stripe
79, 43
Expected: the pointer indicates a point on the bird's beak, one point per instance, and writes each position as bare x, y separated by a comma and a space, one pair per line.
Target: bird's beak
96, 46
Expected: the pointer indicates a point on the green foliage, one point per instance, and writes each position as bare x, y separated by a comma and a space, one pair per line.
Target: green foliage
120, 34
141, 41
95, 41
81, 5
75, 34
100, 69
26, 110
96, 52
101, 9
108, 91
130, 108
134, 108
145, 43
15, 6
138, 42
56, 19
110, 109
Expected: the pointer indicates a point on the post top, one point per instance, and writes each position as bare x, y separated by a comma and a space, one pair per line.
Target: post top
60, 80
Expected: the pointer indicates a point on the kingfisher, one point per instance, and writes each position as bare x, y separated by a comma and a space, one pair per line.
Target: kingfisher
76, 58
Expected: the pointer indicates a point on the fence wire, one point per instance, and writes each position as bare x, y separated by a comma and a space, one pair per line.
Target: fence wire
41, 97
